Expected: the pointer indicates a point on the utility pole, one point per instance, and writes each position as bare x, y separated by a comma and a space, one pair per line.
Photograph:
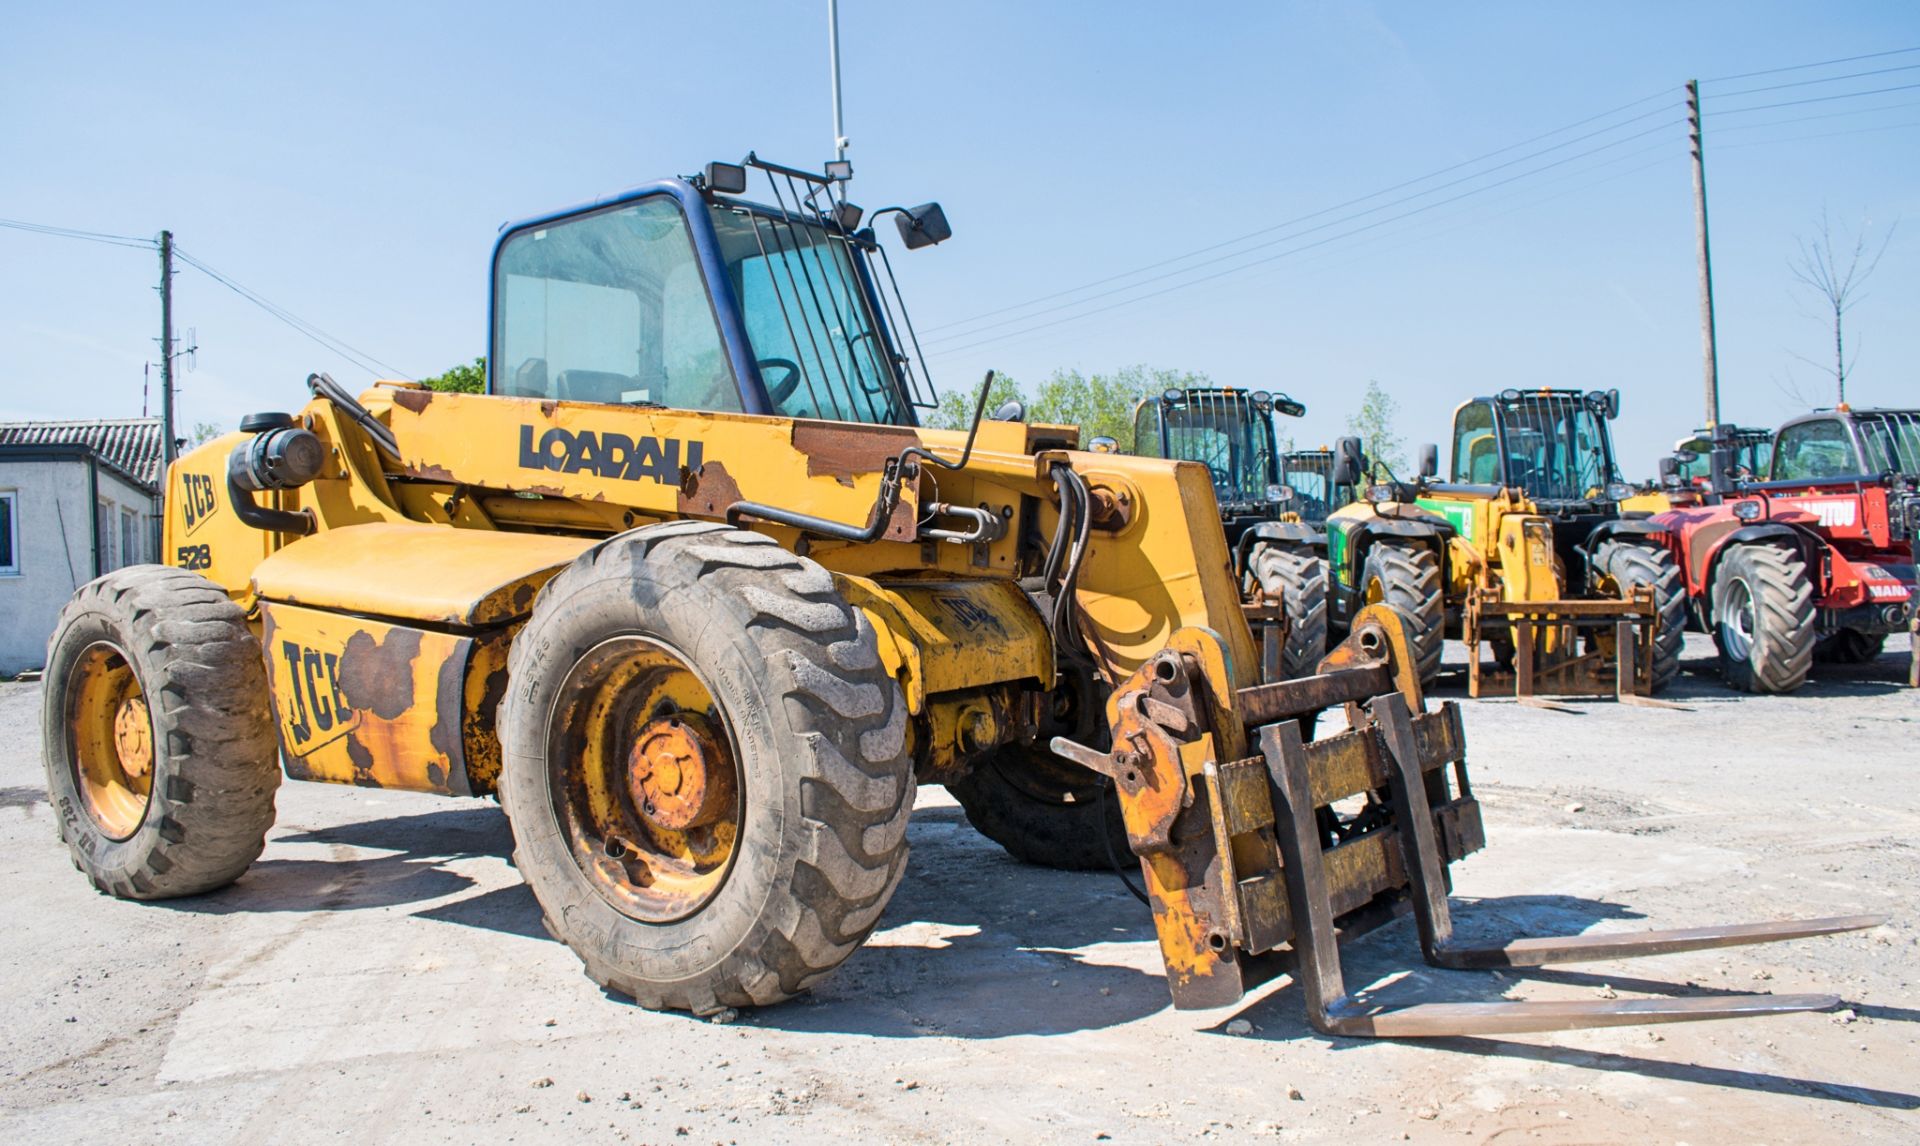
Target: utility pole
833, 64
166, 350
1708, 349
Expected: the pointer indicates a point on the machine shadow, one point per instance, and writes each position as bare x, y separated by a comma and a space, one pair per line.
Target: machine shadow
1723, 1077
977, 945
412, 870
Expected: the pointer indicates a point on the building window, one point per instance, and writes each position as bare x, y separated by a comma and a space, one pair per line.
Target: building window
130, 537
9, 533
103, 530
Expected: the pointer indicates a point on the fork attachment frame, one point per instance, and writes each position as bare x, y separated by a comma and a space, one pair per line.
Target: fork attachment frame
1263, 848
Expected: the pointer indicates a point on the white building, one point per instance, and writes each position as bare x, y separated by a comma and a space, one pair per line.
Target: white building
77, 499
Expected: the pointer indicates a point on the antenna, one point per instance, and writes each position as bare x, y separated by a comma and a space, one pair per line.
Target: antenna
833, 65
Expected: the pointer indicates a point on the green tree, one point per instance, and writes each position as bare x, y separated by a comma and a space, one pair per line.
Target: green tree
204, 432
470, 378
1373, 424
1102, 404
955, 411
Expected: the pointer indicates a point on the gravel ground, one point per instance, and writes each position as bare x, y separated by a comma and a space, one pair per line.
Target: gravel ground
381, 975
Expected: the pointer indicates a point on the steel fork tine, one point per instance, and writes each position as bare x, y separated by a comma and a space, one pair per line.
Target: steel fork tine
1414, 819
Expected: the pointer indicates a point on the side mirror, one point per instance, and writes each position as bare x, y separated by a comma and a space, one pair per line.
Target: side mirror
1429, 460
1613, 404
1670, 471
1104, 445
1348, 461
923, 226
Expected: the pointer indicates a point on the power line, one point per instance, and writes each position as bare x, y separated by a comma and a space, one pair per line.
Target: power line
358, 358
1815, 64
1821, 80
1814, 99
1318, 227
1817, 135
71, 233
1323, 211
1818, 116
1296, 250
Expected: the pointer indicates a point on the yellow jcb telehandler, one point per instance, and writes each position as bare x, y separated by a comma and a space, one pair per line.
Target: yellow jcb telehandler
690, 590
1525, 550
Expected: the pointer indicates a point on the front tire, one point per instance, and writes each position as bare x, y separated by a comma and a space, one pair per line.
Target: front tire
1406, 578
1849, 647
1763, 618
1043, 810
1629, 565
1298, 581
160, 754
705, 768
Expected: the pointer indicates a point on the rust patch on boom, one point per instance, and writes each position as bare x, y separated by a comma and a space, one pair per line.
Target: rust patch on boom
841, 451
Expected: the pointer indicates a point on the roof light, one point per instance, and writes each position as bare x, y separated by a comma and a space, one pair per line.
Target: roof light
726, 178
1747, 510
1172, 394
1509, 395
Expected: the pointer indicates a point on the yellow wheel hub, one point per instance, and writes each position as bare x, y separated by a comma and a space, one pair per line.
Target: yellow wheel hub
110, 740
644, 779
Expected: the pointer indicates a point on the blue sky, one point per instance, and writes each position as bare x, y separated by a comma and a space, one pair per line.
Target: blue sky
352, 162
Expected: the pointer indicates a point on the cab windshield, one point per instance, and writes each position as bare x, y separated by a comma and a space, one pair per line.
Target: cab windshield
819, 348
1890, 440
1227, 433
1555, 447
614, 306
1311, 476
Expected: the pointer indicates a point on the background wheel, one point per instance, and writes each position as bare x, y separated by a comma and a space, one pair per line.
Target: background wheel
1628, 564
160, 754
1406, 578
1044, 810
1848, 647
1298, 580
1763, 618
705, 768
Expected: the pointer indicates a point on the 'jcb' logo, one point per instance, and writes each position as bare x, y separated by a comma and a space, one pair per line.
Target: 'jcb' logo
312, 708
608, 455
197, 502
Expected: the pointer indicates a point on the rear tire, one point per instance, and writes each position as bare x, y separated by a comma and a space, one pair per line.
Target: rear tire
160, 754
1043, 810
1298, 581
1630, 564
1406, 578
797, 707
1848, 647
1763, 618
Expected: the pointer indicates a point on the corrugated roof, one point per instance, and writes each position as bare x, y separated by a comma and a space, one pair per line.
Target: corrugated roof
129, 444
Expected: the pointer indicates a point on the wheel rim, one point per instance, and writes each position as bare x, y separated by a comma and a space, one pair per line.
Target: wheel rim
110, 740
643, 778
1737, 621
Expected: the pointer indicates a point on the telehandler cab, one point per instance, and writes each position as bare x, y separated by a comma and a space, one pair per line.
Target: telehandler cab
693, 594
1279, 559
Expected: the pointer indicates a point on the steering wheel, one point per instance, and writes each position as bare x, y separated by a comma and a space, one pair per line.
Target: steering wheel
778, 394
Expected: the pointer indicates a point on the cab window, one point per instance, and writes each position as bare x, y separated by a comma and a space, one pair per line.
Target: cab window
1819, 449
1476, 456
1146, 429
609, 307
